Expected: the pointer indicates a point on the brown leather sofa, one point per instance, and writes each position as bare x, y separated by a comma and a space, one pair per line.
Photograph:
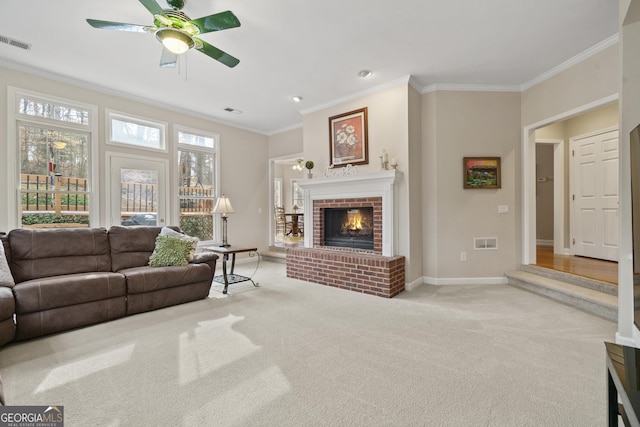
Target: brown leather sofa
67, 278
7, 306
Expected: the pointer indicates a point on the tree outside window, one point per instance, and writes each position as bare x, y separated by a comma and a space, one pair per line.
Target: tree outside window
196, 184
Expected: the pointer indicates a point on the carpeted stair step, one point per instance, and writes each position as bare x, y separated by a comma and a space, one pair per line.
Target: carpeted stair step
585, 282
592, 301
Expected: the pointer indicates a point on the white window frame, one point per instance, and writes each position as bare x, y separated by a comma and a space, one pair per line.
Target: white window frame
143, 121
14, 94
217, 225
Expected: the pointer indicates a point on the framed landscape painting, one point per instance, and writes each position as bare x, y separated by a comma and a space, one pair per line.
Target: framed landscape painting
481, 172
349, 139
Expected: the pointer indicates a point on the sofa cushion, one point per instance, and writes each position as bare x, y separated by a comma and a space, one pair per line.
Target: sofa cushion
60, 291
149, 279
31, 325
132, 246
170, 251
37, 253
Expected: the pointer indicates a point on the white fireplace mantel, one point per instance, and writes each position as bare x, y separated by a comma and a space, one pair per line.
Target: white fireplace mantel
375, 184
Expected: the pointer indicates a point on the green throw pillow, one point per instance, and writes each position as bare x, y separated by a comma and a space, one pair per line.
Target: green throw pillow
170, 251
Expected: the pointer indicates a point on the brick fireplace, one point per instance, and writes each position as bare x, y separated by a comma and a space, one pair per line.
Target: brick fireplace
375, 270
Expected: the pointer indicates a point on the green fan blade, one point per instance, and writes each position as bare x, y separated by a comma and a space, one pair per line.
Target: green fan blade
168, 58
217, 54
216, 22
153, 7
119, 26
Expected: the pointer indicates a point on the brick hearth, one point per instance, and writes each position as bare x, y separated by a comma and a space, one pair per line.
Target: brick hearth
367, 273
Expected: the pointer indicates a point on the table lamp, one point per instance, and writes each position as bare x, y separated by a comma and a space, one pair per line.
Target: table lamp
223, 206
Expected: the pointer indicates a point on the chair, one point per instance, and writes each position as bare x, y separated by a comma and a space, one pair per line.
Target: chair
282, 226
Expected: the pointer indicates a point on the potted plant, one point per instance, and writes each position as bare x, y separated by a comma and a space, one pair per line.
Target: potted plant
309, 165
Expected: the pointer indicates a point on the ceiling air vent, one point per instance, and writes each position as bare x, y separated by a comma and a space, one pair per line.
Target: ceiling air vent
14, 42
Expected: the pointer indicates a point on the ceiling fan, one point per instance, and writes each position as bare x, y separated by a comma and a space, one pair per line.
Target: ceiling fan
177, 32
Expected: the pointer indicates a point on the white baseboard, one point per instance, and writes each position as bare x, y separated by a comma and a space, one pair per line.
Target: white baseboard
541, 242
412, 285
502, 280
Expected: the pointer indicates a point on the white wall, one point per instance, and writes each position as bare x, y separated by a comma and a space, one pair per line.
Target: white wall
285, 143
592, 79
465, 124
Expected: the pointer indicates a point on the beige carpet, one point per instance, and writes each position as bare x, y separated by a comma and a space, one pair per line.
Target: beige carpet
291, 353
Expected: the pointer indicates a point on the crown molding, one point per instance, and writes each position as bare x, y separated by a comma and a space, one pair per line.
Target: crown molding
375, 89
461, 87
284, 129
593, 50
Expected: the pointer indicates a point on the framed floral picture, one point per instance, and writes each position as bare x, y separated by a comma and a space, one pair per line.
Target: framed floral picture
481, 172
349, 138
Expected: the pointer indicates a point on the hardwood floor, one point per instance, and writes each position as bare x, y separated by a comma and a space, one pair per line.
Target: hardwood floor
606, 271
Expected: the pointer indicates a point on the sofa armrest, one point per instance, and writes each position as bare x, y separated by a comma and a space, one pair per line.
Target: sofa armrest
206, 257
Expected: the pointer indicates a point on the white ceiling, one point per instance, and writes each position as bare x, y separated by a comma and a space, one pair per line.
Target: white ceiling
309, 48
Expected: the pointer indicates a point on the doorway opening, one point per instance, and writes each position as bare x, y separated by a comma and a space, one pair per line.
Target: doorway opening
557, 252
286, 201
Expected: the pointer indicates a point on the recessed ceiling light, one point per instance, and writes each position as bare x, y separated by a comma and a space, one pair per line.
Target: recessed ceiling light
365, 74
232, 110
296, 98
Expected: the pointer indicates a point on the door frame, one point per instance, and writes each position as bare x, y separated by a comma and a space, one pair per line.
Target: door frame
163, 203
272, 162
529, 174
559, 196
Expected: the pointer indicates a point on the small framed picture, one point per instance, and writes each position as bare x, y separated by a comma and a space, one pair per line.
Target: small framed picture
481, 172
349, 139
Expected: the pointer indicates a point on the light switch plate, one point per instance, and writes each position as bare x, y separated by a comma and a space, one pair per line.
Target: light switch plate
503, 209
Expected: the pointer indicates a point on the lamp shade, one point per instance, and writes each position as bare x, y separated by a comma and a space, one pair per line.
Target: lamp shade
223, 206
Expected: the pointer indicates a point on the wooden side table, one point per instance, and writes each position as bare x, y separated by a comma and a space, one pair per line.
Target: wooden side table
295, 223
230, 277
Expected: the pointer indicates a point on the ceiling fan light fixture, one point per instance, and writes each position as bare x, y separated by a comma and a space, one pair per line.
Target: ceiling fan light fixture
175, 41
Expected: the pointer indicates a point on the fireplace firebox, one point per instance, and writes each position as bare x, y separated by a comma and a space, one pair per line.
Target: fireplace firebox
349, 227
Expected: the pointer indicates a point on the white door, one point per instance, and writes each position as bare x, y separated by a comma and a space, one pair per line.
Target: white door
594, 219
137, 190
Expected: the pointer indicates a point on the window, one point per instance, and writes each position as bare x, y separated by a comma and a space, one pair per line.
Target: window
34, 106
297, 196
139, 132
197, 177
277, 192
54, 161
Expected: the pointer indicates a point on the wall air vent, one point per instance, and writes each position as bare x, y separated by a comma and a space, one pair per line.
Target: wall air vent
484, 243
14, 42
232, 110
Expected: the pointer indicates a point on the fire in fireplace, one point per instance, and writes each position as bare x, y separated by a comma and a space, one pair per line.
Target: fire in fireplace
349, 227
